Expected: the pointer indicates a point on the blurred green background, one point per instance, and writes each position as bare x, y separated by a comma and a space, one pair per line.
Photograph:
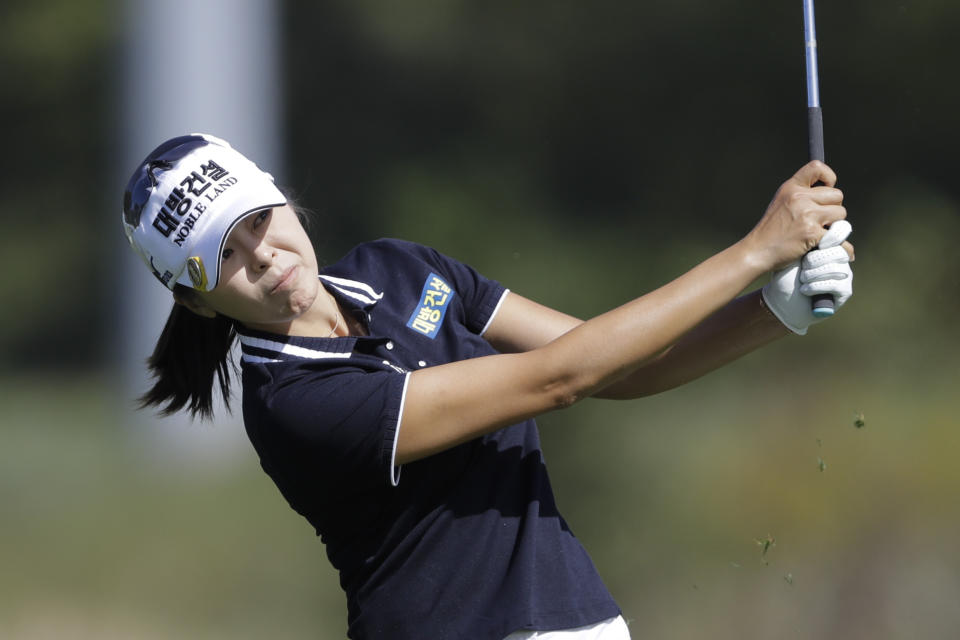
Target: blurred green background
581, 153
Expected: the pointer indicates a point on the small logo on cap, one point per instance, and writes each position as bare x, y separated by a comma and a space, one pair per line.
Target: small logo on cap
162, 277
198, 275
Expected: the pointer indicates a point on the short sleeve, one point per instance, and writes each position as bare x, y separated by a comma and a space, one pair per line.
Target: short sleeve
480, 296
397, 266
339, 430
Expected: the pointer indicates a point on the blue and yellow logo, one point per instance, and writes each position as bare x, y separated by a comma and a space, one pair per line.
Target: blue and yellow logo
427, 318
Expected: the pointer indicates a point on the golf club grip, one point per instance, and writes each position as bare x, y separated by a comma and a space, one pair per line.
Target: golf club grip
815, 132
822, 303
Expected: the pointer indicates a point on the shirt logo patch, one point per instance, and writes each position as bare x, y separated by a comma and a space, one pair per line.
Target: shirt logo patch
427, 318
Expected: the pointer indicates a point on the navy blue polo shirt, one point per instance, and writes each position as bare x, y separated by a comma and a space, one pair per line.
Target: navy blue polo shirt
467, 543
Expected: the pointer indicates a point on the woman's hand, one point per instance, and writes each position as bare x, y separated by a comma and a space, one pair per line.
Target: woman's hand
797, 218
825, 270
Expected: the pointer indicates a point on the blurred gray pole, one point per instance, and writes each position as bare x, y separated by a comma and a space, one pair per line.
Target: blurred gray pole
207, 66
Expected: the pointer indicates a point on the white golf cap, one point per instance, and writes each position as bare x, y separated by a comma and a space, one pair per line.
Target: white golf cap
184, 200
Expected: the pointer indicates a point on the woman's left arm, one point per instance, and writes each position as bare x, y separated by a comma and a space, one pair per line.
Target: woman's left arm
742, 326
735, 330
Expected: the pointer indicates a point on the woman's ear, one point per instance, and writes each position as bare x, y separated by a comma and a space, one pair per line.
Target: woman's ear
194, 303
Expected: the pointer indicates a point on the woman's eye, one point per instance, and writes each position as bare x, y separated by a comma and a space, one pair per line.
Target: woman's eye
260, 217
226, 254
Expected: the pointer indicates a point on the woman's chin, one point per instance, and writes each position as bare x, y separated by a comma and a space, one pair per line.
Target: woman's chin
299, 304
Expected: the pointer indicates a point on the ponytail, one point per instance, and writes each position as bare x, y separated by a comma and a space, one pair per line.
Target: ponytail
191, 350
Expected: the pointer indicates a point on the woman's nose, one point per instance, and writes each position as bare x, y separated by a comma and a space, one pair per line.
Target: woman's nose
260, 254
263, 256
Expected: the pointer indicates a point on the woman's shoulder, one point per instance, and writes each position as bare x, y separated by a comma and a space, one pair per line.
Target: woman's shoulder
385, 258
392, 246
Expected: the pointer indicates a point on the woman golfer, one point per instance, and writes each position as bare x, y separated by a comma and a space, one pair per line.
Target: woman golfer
391, 396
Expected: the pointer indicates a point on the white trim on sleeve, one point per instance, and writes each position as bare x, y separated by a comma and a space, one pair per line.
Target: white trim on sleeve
394, 469
495, 310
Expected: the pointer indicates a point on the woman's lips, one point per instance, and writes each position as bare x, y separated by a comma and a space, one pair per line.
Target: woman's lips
285, 280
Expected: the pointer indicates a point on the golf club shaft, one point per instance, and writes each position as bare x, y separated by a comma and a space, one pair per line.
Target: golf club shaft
823, 304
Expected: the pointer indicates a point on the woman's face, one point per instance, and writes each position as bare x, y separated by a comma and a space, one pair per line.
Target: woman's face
268, 271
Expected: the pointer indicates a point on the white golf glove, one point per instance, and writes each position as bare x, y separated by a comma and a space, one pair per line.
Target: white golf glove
823, 270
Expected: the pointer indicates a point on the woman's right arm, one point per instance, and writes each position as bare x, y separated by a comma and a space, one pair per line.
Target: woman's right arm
453, 403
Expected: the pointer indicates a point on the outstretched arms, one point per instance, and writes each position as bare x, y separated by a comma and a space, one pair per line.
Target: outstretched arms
632, 350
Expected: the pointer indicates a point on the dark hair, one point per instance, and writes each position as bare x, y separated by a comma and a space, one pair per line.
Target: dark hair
191, 352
